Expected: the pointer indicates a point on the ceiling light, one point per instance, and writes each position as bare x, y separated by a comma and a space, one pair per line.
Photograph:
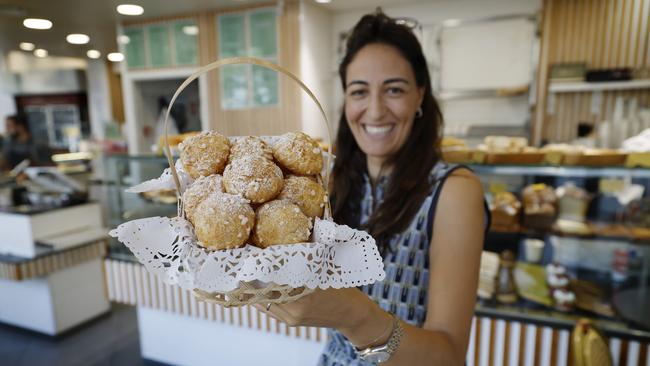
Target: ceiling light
77, 38
39, 52
93, 54
323, 1
191, 30
35, 23
123, 39
26, 46
130, 9
115, 57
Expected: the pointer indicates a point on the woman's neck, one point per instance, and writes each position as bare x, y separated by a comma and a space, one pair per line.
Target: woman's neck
377, 168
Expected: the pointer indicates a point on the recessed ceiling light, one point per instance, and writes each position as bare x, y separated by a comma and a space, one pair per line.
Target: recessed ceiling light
115, 57
93, 54
39, 52
77, 38
323, 1
123, 39
130, 9
191, 30
26, 46
35, 23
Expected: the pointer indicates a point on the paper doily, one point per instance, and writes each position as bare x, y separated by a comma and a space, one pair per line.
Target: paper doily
339, 257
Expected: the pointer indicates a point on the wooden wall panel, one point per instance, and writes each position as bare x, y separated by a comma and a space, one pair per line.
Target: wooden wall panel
269, 120
602, 33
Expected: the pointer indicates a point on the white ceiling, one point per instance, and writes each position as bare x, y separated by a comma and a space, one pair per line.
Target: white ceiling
97, 18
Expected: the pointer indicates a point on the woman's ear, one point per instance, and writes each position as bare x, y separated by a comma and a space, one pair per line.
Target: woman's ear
420, 96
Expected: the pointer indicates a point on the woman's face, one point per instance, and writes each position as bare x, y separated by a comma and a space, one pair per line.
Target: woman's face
381, 99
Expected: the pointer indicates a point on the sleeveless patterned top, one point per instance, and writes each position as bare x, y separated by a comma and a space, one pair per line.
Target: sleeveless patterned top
404, 291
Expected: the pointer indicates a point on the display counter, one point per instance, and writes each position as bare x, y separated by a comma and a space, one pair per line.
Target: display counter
500, 335
51, 277
523, 333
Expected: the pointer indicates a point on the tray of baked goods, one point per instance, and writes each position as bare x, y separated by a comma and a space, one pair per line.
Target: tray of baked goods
507, 150
254, 223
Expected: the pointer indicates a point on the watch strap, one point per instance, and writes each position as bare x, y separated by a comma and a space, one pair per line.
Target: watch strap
391, 345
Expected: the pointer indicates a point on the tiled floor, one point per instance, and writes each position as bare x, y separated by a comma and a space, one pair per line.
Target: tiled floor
109, 340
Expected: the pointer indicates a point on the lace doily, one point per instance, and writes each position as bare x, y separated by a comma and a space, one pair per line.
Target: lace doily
165, 181
339, 257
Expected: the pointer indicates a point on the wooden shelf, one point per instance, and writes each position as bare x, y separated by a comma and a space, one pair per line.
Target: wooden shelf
582, 86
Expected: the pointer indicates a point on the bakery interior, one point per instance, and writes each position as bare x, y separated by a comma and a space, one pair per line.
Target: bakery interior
547, 101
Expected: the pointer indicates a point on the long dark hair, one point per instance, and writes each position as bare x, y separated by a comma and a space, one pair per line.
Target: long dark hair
409, 183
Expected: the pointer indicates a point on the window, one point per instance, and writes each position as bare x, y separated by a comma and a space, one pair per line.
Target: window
252, 33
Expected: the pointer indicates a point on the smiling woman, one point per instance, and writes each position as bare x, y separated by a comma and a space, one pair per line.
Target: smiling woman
389, 179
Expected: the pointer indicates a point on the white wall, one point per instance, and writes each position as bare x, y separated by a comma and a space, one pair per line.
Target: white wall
7, 103
50, 81
428, 13
49, 75
99, 97
317, 66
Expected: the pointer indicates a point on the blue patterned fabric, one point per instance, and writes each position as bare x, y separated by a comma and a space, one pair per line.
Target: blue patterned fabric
404, 290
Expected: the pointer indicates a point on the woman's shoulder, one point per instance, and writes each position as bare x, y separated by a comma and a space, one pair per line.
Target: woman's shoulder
443, 170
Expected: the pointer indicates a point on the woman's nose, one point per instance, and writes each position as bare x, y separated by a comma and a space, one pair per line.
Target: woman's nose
376, 107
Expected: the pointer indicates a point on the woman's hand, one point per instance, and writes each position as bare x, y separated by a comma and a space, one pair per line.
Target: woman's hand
348, 310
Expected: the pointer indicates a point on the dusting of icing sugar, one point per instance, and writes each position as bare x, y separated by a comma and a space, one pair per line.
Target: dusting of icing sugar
243, 219
228, 206
250, 146
296, 150
205, 152
252, 174
200, 189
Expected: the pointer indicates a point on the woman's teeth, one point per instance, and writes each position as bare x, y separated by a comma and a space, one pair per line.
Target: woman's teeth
377, 130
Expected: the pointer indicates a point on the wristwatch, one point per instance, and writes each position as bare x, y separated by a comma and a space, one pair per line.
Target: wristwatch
381, 354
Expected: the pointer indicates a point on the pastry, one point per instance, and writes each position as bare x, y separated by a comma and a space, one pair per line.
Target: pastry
205, 154
198, 191
280, 222
253, 177
298, 153
223, 221
563, 299
250, 146
540, 206
306, 193
573, 202
505, 208
504, 144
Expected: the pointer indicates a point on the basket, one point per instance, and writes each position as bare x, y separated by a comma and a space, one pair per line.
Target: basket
247, 292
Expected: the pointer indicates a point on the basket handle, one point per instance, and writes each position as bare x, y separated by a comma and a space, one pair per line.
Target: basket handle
254, 61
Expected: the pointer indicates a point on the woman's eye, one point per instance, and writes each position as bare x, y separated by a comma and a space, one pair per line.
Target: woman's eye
357, 93
395, 91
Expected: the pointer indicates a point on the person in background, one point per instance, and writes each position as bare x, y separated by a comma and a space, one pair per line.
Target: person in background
428, 218
18, 145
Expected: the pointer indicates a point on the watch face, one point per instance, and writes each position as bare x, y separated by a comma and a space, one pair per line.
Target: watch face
376, 356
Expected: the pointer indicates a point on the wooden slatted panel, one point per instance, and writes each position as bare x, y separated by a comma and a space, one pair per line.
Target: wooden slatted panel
42, 266
602, 33
130, 283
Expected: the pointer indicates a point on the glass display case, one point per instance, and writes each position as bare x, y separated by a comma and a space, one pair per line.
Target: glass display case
122, 172
600, 236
